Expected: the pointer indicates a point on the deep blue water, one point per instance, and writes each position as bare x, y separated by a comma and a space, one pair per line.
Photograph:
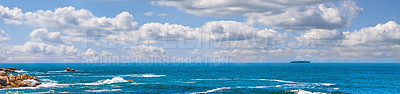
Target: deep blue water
212, 78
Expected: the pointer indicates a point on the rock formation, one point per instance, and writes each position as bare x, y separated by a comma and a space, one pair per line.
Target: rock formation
11, 81
10, 69
68, 69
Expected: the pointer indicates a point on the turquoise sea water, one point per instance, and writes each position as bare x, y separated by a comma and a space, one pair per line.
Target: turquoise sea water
212, 78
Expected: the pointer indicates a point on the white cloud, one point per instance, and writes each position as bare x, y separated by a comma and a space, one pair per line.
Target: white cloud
230, 7
42, 35
318, 16
38, 52
42, 52
69, 20
319, 38
237, 55
145, 51
381, 34
150, 33
162, 14
149, 13
232, 34
194, 51
4, 36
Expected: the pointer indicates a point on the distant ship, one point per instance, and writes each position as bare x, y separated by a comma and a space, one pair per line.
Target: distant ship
300, 61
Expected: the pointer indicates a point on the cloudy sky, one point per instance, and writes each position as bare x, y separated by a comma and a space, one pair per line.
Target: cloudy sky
276, 31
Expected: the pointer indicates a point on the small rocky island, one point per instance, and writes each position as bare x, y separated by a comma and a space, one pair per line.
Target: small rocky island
11, 81
69, 69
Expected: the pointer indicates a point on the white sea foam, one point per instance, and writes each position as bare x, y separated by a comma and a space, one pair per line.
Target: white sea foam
212, 90
143, 75
275, 80
58, 71
283, 81
214, 79
306, 92
42, 76
107, 81
33, 82
48, 80
46, 85
190, 82
104, 90
138, 83
19, 71
327, 84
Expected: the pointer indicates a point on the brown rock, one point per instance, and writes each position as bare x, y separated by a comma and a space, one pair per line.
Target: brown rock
11, 77
68, 69
41, 87
3, 73
24, 76
26, 83
14, 85
18, 77
3, 80
37, 79
129, 80
10, 81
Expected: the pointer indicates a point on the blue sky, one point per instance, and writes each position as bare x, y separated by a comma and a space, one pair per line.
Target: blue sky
343, 31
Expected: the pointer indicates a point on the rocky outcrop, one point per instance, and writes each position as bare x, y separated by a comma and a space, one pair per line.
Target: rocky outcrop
11, 81
10, 69
68, 69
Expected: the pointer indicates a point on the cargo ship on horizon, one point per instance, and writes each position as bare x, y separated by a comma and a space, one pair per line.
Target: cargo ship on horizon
304, 61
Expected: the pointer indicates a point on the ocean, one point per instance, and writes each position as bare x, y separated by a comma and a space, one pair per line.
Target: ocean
358, 78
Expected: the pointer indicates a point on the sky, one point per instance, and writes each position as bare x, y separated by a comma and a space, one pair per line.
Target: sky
244, 31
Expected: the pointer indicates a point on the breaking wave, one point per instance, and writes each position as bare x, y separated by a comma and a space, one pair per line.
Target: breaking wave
107, 81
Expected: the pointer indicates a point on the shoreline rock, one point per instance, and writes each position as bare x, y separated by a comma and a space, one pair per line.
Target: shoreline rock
11, 81
10, 69
68, 69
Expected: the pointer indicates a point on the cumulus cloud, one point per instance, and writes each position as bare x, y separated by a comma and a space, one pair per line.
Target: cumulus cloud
151, 33
381, 34
42, 52
35, 47
149, 13
319, 38
237, 55
232, 34
318, 16
145, 51
231, 7
42, 35
68, 19
4, 36
35, 51
194, 51
162, 14
380, 42
226, 34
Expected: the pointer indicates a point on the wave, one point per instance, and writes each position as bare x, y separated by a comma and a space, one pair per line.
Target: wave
218, 79
58, 71
143, 75
33, 82
190, 82
283, 81
19, 71
212, 90
107, 81
305, 92
104, 90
